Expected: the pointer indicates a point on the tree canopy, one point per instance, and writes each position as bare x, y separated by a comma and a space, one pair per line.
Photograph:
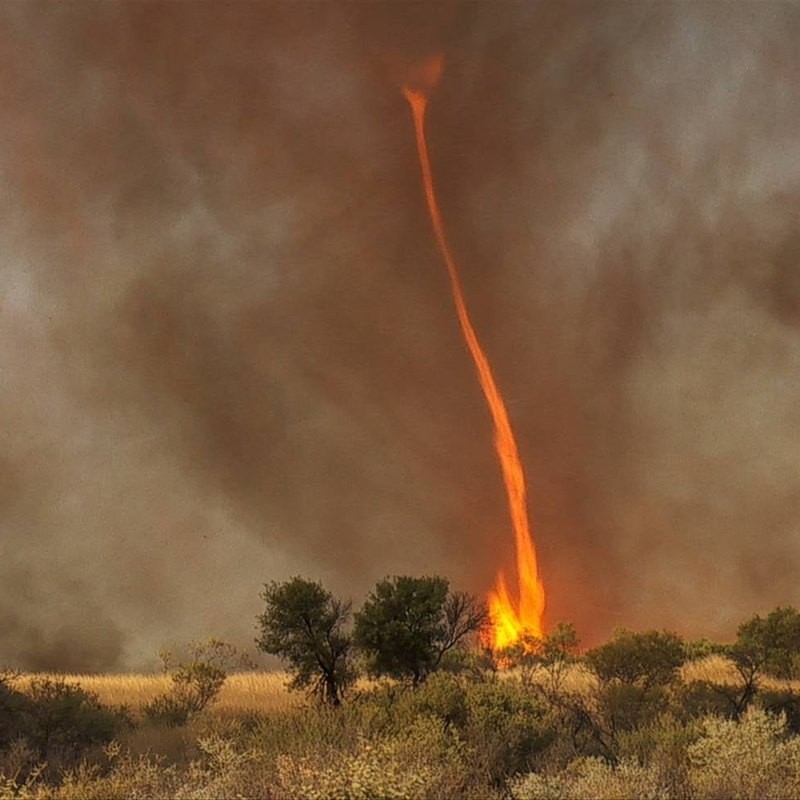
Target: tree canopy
651, 658
306, 625
408, 624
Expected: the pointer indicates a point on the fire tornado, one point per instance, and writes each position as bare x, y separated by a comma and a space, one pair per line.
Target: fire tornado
512, 617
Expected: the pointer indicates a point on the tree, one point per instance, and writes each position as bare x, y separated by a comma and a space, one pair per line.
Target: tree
773, 642
407, 625
768, 645
647, 659
305, 624
635, 672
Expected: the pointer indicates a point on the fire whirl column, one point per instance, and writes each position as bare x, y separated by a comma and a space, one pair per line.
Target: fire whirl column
510, 619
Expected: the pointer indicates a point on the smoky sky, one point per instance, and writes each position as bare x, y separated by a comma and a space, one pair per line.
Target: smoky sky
228, 352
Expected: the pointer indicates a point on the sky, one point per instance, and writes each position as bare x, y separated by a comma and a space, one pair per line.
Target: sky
228, 351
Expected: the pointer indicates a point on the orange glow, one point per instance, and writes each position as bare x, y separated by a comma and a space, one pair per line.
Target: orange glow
510, 619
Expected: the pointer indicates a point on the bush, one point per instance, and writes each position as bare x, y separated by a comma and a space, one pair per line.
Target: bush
54, 723
196, 681
444, 697
783, 701
701, 698
14, 707
628, 706
747, 759
64, 717
662, 745
507, 727
503, 726
424, 761
592, 779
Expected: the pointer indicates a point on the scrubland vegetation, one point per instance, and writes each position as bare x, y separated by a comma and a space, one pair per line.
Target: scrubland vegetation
417, 715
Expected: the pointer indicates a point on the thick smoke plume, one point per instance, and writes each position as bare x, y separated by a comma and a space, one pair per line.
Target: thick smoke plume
227, 347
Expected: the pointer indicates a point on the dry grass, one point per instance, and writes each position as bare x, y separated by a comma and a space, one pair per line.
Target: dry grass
248, 692
243, 692
714, 669
720, 670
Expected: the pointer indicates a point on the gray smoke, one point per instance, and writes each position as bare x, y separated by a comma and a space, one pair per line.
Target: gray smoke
227, 346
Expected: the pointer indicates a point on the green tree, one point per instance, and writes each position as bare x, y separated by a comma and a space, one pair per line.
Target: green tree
773, 642
764, 645
647, 659
636, 671
407, 625
305, 624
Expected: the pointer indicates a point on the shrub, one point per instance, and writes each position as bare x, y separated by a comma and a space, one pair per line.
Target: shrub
544, 661
507, 727
747, 759
423, 761
65, 718
627, 706
782, 701
196, 681
444, 697
663, 745
14, 707
592, 778
701, 698
51, 726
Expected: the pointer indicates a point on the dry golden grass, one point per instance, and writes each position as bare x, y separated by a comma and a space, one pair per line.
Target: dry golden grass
714, 669
718, 669
249, 692
243, 692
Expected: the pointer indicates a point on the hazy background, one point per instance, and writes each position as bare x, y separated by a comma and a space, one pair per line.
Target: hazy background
227, 347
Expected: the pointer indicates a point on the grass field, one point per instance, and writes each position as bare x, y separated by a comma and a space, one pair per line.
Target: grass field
263, 692
243, 692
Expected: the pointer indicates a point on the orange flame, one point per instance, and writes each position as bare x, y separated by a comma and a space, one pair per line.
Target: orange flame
510, 620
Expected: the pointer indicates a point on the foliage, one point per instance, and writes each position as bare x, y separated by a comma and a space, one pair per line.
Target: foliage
305, 624
51, 725
646, 659
407, 625
772, 643
697, 649
14, 708
592, 778
544, 662
418, 762
782, 701
701, 698
747, 759
764, 646
627, 706
547, 729
508, 727
752, 758
63, 716
196, 681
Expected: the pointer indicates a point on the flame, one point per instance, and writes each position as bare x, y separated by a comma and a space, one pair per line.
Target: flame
510, 619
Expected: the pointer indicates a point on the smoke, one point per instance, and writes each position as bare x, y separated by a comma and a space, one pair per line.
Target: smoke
227, 347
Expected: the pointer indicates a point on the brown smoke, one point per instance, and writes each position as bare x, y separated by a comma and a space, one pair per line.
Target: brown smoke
227, 346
